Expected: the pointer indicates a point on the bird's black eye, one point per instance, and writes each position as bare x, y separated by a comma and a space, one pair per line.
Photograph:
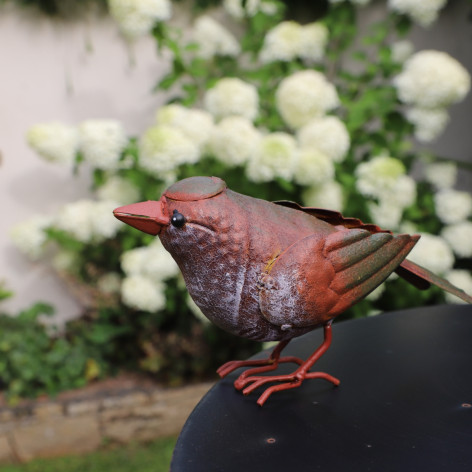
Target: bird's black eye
177, 219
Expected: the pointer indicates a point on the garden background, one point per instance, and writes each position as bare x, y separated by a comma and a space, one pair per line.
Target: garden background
75, 70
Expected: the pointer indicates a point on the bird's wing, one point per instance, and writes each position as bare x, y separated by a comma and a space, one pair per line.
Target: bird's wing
362, 261
333, 217
318, 278
418, 276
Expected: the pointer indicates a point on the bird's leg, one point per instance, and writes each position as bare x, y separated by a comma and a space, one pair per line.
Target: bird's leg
291, 380
265, 365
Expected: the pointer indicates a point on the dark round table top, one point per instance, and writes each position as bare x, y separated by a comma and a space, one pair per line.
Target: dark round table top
404, 404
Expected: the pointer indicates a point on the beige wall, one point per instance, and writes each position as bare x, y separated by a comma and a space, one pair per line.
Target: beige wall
69, 72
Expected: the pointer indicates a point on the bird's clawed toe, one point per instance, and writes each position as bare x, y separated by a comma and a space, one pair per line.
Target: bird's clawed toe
294, 380
259, 366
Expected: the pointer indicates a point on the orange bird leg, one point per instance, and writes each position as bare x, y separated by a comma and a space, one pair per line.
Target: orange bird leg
290, 380
266, 365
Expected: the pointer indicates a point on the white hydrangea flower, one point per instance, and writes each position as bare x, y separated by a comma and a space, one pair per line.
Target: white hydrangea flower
275, 156
289, 40
459, 237
433, 253
460, 278
441, 175
423, 12
168, 178
386, 214
429, 122
408, 227
313, 41
374, 312
196, 124
133, 261
282, 43
119, 190
327, 134
384, 178
233, 140
159, 264
232, 96
268, 8
143, 293
327, 195
376, 293
65, 261
55, 142
379, 175
137, 17
239, 9
109, 283
29, 236
452, 206
172, 115
313, 167
214, 39
102, 142
432, 79
74, 218
196, 310
103, 223
163, 148
303, 96
403, 192
152, 261
402, 50
87, 221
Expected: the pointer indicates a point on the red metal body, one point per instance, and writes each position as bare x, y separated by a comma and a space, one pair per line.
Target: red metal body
272, 271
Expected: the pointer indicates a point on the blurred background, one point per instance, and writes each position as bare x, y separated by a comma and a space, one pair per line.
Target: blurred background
357, 106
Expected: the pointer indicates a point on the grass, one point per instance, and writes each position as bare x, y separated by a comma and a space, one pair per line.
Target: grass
151, 457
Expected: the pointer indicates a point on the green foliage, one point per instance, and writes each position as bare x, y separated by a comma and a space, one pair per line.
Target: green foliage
34, 361
4, 292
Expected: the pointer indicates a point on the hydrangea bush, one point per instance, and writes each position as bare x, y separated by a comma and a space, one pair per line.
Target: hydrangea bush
280, 111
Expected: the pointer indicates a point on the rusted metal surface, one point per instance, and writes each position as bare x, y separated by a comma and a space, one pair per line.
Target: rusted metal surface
271, 271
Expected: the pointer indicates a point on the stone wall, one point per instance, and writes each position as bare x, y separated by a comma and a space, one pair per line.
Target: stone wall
82, 421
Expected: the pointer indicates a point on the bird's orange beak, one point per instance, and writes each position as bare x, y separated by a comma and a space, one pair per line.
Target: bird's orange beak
149, 217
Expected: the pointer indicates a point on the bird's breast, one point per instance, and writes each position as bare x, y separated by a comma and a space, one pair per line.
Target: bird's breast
215, 270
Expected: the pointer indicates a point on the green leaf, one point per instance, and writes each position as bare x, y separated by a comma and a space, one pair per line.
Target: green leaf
39, 308
99, 177
4, 293
64, 239
167, 81
403, 25
360, 56
103, 333
198, 68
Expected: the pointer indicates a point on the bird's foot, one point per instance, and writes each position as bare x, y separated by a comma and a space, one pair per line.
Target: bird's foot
248, 381
289, 381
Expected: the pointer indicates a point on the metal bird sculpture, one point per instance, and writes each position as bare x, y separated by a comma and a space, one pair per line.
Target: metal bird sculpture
273, 271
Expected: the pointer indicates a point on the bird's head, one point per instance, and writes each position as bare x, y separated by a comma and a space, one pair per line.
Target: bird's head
189, 201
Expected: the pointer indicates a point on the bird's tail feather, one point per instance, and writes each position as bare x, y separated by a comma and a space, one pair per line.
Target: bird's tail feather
423, 278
